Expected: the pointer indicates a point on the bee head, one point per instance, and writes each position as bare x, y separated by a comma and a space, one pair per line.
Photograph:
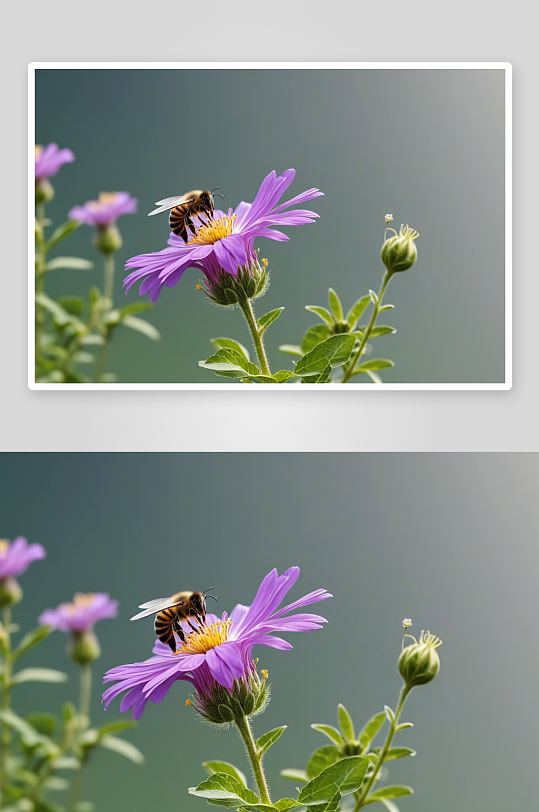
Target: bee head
199, 604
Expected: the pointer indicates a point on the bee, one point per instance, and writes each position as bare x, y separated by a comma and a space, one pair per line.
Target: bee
184, 207
171, 611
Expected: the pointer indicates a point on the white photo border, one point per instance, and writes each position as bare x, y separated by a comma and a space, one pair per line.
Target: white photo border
505, 66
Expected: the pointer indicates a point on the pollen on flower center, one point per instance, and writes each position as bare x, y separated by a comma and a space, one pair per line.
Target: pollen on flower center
4, 546
207, 638
39, 150
105, 199
213, 231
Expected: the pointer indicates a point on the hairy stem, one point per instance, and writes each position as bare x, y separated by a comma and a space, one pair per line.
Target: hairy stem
255, 757
375, 311
256, 335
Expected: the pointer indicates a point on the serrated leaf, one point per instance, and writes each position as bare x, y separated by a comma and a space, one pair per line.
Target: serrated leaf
232, 344
357, 310
76, 263
285, 804
226, 789
395, 791
268, 318
324, 314
334, 351
399, 752
141, 326
372, 366
290, 349
295, 775
321, 759
320, 377
346, 724
266, 741
335, 305
38, 675
31, 639
331, 732
229, 360
122, 747
62, 232
314, 336
212, 767
371, 729
283, 375
345, 776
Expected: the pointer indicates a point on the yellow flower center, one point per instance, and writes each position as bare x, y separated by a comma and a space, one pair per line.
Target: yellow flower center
39, 150
207, 638
4, 547
213, 231
105, 199
79, 601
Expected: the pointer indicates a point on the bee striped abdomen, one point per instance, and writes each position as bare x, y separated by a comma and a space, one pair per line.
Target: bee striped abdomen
164, 628
177, 221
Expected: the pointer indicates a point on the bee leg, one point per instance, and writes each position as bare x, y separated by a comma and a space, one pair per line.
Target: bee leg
194, 628
189, 223
178, 629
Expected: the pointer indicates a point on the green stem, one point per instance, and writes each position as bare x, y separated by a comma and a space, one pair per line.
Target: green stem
375, 311
256, 335
5, 734
255, 757
40, 274
405, 690
84, 710
109, 276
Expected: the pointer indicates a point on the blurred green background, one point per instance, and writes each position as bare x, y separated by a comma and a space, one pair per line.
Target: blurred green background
424, 145
446, 539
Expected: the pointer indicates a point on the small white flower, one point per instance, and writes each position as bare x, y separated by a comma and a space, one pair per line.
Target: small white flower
407, 622
388, 218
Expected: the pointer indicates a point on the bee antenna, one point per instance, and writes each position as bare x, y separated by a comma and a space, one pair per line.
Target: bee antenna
207, 590
218, 195
214, 190
215, 597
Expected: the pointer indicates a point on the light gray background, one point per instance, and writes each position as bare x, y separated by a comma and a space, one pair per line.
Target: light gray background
277, 31
449, 540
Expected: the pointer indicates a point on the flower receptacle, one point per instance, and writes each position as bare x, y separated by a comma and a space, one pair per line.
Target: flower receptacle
84, 647
108, 239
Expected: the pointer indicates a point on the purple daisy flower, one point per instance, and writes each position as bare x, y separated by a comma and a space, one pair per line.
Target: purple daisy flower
226, 242
15, 558
218, 655
105, 211
80, 615
49, 159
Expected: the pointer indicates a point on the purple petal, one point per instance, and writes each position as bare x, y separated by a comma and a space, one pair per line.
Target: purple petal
312, 597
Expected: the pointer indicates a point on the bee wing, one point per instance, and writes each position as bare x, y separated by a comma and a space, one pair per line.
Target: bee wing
170, 203
153, 607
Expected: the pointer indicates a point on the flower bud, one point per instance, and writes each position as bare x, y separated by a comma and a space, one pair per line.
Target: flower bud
220, 706
44, 191
399, 252
108, 239
84, 647
10, 592
419, 663
227, 290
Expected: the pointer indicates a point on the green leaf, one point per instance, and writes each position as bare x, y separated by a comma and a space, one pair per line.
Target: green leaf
141, 326
220, 343
136, 307
335, 305
346, 724
399, 752
31, 639
357, 310
395, 791
66, 763
62, 232
55, 782
324, 314
334, 351
69, 712
38, 675
265, 321
229, 360
290, 349
372, 366
257, 807
382, 330
331, 732
59, 314
43, 722
225, 788
266, 741
285, 804
314, 336
122, 747
28, 733
345, 776
92, 338
283, 375
76, 263
321, 759
386, 307
371, 729
85, 806
224, 767
329, 806
73, 304
404, 725
24, 805
259, 379
295, 775
320, 377
84, 357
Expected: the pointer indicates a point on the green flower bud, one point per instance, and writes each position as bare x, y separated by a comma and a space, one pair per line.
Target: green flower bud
10, 592
219, 706
226, 290
399, 252
419, 663
84, 647
108, 239
44, 191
